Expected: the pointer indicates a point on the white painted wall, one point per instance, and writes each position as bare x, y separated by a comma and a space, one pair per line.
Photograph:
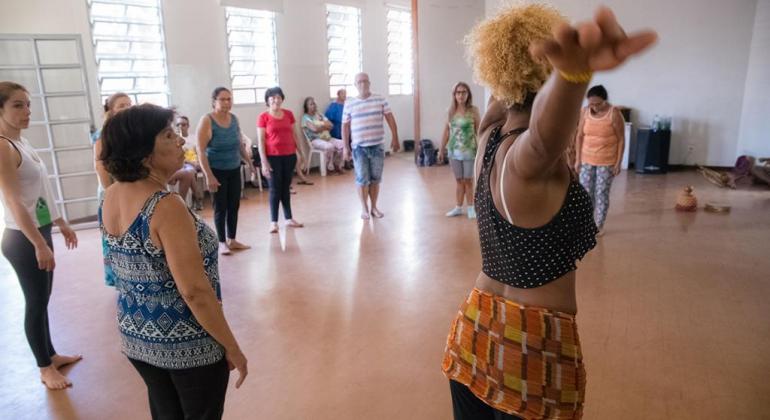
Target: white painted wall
197, 58
443, 25
53, 17
754, 136
696, 73
198, 62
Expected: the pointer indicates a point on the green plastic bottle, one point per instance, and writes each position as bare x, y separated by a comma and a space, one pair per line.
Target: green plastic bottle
42, 212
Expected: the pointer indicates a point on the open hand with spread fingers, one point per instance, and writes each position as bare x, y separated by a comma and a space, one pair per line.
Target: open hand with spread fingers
600, 44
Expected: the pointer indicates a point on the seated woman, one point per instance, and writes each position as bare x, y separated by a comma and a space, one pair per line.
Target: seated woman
316, 128
186, 176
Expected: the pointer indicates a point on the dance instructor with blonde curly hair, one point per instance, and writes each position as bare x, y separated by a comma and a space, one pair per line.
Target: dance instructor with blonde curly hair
513, 350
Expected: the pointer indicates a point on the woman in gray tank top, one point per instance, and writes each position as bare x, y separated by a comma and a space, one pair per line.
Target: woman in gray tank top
221, 153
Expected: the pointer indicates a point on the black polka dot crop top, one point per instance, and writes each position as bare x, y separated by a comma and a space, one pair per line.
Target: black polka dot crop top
524, 257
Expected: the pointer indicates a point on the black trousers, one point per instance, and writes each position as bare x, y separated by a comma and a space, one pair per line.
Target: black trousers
280, 181
467, 406
196, 393
226, 202
36, 284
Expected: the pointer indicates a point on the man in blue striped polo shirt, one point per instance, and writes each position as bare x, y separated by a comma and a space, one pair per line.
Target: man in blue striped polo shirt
363, 131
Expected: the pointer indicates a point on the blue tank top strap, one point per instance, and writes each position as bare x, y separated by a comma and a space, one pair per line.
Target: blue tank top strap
156, 325
149, 206
148, 210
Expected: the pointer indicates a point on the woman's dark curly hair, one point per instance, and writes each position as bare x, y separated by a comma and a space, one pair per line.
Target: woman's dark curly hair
128, 138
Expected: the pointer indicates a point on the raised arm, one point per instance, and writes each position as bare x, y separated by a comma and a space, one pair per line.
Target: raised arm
574, 52
555, 114
579, 141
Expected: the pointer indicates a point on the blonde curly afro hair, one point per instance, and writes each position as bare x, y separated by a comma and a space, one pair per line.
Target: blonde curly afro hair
498, 49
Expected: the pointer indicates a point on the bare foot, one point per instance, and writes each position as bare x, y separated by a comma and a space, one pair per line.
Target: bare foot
273, 227
53, 379
236, 246
223, 249
293, 223
376, 213
365, 214
59, 360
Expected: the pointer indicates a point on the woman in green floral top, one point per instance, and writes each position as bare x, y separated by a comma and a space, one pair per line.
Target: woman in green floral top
460, 137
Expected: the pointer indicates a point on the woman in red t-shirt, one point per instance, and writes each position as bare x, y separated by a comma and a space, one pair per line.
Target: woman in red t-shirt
278, 152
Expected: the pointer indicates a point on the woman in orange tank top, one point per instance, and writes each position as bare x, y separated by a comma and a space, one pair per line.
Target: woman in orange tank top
599, 150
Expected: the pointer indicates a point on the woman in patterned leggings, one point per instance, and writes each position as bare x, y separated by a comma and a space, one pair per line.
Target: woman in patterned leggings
599, 147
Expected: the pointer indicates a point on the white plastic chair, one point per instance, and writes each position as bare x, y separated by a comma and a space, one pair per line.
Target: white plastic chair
321, 155
245, 172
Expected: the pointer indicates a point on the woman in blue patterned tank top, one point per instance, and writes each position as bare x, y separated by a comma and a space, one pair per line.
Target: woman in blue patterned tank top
164, 260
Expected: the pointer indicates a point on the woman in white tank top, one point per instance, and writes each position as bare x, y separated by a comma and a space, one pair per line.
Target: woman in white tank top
30, 211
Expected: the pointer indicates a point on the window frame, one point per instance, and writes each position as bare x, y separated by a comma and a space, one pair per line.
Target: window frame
137, 93
348, 82
257, 89
396, 85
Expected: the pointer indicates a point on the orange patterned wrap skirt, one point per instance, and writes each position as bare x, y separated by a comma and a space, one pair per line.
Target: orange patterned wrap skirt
524, 361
